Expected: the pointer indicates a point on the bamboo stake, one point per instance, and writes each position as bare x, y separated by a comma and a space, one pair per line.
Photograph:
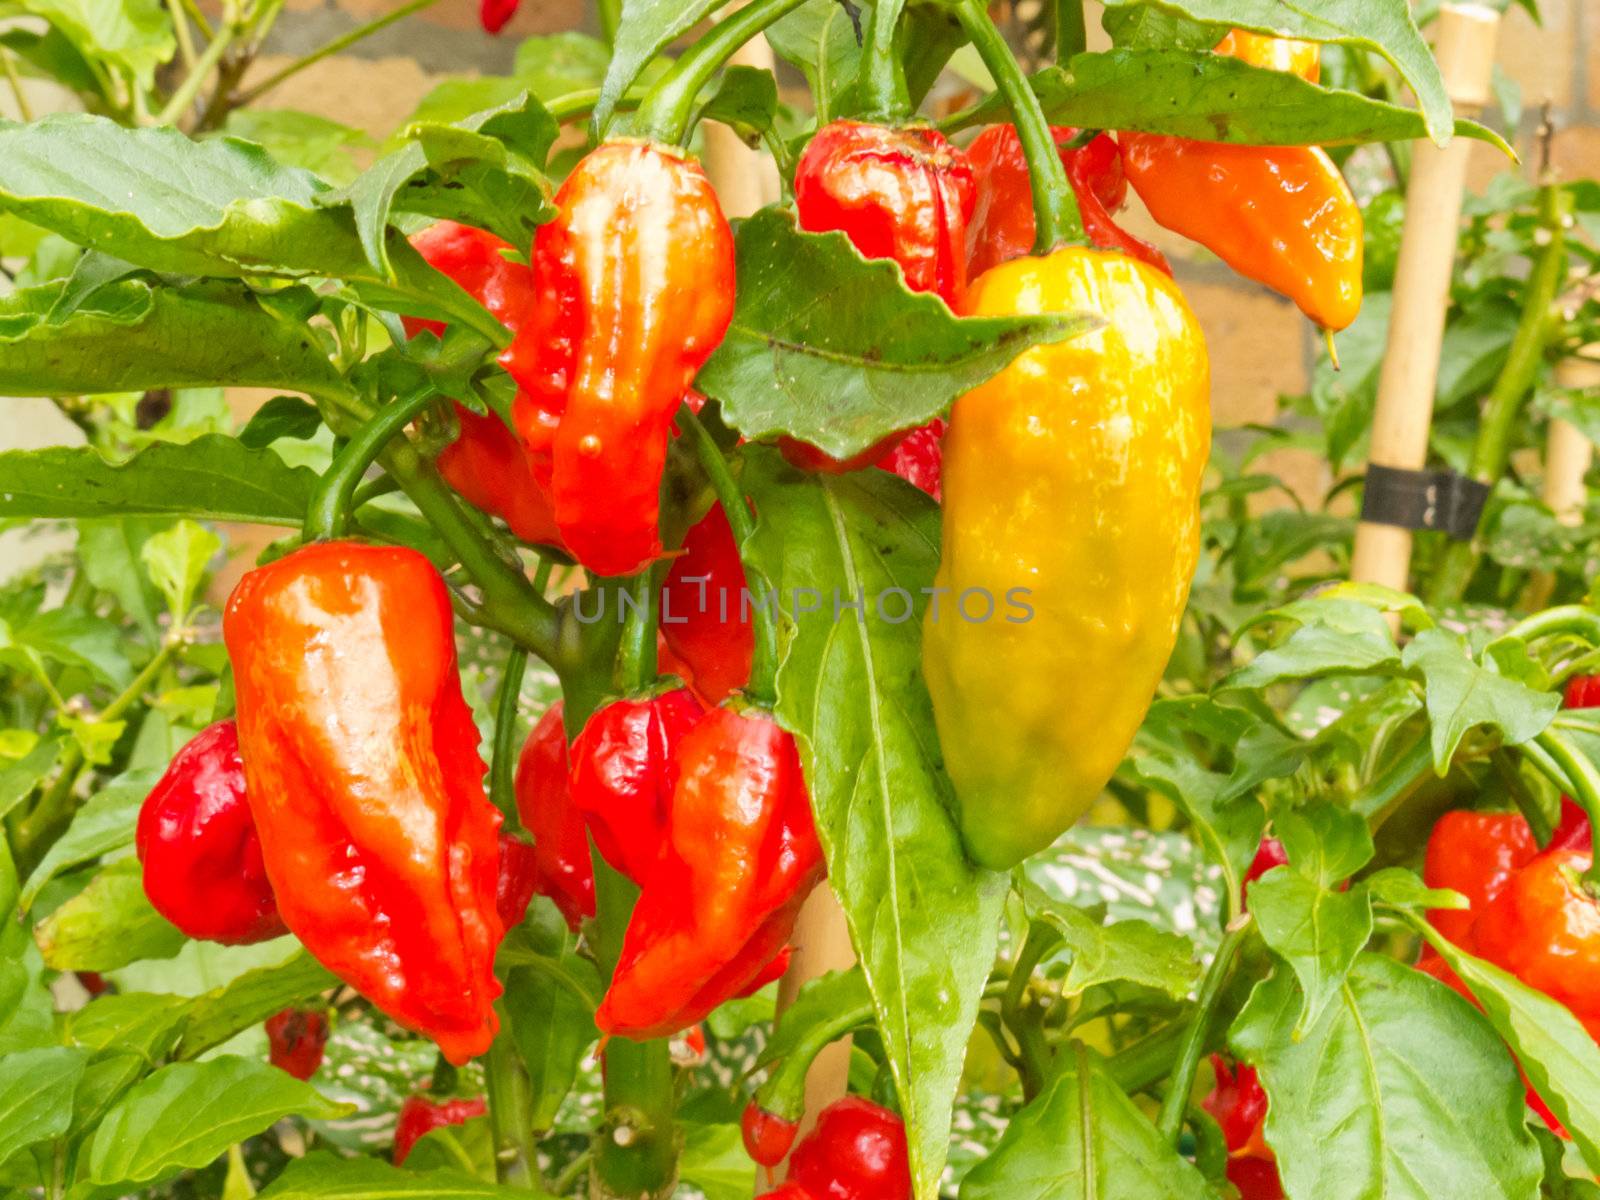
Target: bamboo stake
1567, 452
1410, 371
745, 179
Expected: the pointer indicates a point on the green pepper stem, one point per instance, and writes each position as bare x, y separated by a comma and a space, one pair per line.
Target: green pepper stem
783, 1092
1176, 1102
1514, 384
1566, 618
666, 109
763, 685
1055, 208
328, 515
636, 658
516, 1158
503, 762
884, 97
1583, 779
1072, 37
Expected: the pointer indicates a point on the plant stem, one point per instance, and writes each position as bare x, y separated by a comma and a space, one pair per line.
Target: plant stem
1566, 618
502, 763
328, 515
1583, 779
636, 657
665, 111
197, 75
883, 84
1505, 766
1055, 209
199, 18
516, 1159
338, 44
1036, 1055
180, 28
24, 110
783, 1091
763, 685
1072, 37
1382, 796
1176, 1102
1515, 383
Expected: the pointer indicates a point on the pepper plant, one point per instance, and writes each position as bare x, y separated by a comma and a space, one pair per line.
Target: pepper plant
636, 571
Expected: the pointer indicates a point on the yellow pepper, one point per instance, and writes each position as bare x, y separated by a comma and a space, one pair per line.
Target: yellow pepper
1073, 474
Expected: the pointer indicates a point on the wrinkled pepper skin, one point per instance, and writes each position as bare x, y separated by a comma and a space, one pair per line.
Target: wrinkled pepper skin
366, 784
518, 880
1545, 929
636, 284
486, 464
420, 1115
1281, 215
1476, 854
1074, 474
1289, 55
741, 857
197, 842
544, 802
296, 1038
856, 1151
703, 618
623, 770
1002, 225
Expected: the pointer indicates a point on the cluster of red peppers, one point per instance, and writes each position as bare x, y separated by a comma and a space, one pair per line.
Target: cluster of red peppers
856, 1151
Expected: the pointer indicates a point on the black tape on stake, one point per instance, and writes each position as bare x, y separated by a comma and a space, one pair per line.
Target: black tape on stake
1439, 500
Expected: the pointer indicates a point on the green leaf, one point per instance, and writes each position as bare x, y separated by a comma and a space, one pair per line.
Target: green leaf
19, 779
1333, 634
819, 1002
1080, 1138
1402, 1085
300, 139
1135, 951
1460, 696
644, 29
1561, 1059
281, 417
1325, 844
1383, 26
176, 559
713, 1159
553, 1028
819, 37
560, 63
108, 554
249, 999
211, 478
36, 1089
830, 348
133, 336
746, 100
134, 34
187, 1114
924, 923
322, 1176
1147, 27
1212, 98
1317, 932
104, 823
78, 639
143, 1022
107, 925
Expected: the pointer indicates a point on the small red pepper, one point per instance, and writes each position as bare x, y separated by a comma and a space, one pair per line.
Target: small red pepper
93, 982
1476, 854
544, 802
493, 15
704, 620
295, 1040
420, 1115
622, 775
1002, 225
518, 880
856, 1151
741, 856
1238, 1103
197, 841
1545, 929
636, 282
768, 1138
1583, 691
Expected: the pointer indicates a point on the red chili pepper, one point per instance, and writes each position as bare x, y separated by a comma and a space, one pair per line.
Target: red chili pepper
918, 457
366, 784
622, 775
1002, 225
197, 841
1583, 691
636, 281
856, 1151
93, 982
1238, 1103
1545, 929
420, 1115
1476, 854
704, 620
768, 1138
518, 880
296, 1038
494, 14
787, 1191
544, 801
740, 858
1268, 855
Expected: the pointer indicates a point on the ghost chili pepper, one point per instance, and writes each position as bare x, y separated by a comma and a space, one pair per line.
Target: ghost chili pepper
1544, 928
544, 802
420, 1115
636, 284
856, 1151
197, 843
1106, 434
768, 1137
295, 1040
704, 619
518, 880
1290, 55
1238, 1103
1476, 854
1002, 225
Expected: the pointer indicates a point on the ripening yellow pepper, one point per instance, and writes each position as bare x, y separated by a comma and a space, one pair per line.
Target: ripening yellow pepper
1074, 475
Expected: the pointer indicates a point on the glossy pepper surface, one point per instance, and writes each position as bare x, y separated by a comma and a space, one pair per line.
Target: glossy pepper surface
1002, 225
296, 1038
1281, 215
624, 766
719, 907
517, 882
856, 1151
636, 281
420, 1115
1545, 929
1289, 55
485, 463
768, 1137
704, 619
1071, 497
366, 784
544, 802
1476, 854
1238, 1103
197, 842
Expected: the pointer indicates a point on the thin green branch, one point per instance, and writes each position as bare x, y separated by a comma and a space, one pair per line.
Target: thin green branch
24, 109
199, 73
338, 45
1176, 1102
180, 28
